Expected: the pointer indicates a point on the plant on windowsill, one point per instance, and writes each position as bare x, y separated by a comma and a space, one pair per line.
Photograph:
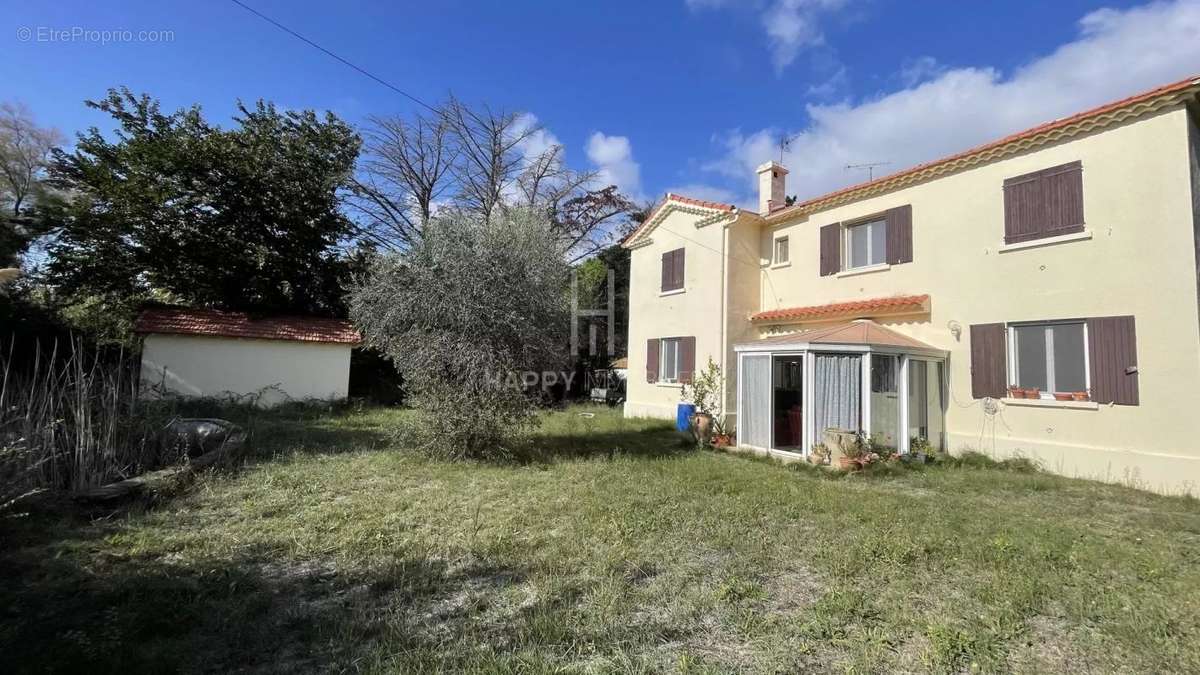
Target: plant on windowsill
1080, 396
1015, 392
1063, 396
704, 392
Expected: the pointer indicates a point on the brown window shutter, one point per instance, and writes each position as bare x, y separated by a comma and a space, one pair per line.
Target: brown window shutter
1044, 203
1112, 355
989, 361
667, 271
899, 234
652, 350
679, 268
831, 249
687, 358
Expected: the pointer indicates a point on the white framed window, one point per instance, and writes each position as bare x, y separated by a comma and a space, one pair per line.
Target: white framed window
1049, 356
781, 253
866, 244
668, 360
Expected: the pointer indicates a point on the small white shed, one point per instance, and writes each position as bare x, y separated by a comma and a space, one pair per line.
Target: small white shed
205, 352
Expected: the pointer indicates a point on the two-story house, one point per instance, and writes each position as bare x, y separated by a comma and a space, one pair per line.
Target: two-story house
1039, 294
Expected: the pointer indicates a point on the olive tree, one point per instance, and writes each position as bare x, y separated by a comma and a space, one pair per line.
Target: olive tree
472, 314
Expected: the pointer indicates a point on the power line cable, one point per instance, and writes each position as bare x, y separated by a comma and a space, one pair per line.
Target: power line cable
331, 54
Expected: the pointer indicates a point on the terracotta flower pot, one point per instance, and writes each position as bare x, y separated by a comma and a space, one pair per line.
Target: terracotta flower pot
1016, 392
1079, 396
1063, 396
1033, 392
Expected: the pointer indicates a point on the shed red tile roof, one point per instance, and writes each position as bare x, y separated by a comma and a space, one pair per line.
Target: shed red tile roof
897, 304
852, 192
211, 322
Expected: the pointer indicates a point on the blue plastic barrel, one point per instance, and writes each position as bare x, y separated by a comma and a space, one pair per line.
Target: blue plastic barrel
683, 416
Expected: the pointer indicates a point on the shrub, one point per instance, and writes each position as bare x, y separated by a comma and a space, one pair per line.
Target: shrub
70, 420
465, 315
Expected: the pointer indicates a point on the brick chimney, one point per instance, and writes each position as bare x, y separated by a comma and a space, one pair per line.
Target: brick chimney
771, 193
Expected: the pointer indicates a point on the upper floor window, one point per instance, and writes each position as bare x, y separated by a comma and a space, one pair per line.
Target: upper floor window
780, 256
866, 244
1050, 357
1045, 203
672, 270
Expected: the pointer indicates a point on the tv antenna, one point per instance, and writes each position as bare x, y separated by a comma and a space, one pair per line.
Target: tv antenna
784, 142
869, 166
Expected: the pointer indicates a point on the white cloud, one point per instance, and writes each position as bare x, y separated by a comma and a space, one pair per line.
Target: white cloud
1116, 53
538, 142
915, 71
790, 25
613, 157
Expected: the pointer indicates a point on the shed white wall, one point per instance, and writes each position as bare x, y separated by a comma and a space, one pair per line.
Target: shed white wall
219, 366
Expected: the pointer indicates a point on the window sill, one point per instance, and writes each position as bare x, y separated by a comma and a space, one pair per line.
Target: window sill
781, 265
1051, 403
870, 269
677, 291
673, 385
1048, 241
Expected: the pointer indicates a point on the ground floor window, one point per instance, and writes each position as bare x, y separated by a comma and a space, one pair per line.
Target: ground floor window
668, 361
788, 417
1049, 357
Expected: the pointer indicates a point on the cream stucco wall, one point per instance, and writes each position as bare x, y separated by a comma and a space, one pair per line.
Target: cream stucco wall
218, 366
1140, 260
697, 311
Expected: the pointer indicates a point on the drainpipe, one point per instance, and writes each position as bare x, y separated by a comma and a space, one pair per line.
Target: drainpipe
724, 314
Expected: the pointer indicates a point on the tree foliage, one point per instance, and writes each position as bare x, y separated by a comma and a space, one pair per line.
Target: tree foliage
463, 313
483, 161
24, 155
239, 218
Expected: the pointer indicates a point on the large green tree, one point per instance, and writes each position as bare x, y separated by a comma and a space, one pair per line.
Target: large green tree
241, 218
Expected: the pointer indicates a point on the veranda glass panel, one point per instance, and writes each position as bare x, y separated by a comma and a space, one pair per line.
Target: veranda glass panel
885, 401
837, 383
754, 423
925, 403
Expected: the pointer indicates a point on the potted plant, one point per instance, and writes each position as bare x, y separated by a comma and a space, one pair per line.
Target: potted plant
856, 455
820, 454
1079, 396
918, 448
1063, 396
704, 392
1033, 392
1015, 392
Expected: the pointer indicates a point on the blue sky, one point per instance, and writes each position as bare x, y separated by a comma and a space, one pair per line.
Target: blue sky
685, 95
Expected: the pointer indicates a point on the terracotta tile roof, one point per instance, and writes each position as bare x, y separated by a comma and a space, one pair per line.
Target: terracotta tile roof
680, 199
1061, 123
897, 304
853, 333
183, 321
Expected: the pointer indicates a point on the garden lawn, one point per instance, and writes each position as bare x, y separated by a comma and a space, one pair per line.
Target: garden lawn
335, 548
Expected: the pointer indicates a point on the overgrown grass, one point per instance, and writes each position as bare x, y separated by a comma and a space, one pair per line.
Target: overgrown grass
335, 550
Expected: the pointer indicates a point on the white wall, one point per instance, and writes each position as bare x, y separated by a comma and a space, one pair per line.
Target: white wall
219, 366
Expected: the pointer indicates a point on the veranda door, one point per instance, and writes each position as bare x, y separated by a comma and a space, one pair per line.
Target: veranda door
754, 401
